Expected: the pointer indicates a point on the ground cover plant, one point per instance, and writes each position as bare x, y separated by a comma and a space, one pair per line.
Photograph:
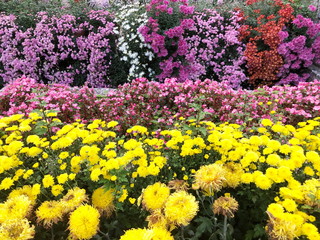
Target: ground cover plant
156, 105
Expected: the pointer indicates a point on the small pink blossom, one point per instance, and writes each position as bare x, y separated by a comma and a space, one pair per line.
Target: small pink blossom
312, 8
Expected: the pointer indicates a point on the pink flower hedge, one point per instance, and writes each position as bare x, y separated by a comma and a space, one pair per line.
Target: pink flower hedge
158, 105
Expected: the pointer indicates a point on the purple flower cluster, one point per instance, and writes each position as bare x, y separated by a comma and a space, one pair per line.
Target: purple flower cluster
168, 43
214, 48
300, 52
57, 50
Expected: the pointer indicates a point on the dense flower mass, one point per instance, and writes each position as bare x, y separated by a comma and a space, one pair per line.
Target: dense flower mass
214, 49
277, 159
244, 47
160, 104
58, 50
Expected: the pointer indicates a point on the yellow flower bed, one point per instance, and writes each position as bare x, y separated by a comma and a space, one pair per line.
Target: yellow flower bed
78, 176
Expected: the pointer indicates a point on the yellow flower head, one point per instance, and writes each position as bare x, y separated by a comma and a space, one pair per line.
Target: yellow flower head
135, 234
17, 207
48, 181
56, 189
49, 212
74, 198
27, 191
147, 234
6, 183
160, 234
157, 219
62, 178
84, 222
263, 182
225, 206
180, 208
16, 229
178, 185
266, 122
102, 200
112, 124
281, 228
210, 178
155, 196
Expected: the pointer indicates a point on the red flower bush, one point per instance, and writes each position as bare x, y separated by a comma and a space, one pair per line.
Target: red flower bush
262, 39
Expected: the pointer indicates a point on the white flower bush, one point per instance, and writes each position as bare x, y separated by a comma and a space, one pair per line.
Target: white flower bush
135, 53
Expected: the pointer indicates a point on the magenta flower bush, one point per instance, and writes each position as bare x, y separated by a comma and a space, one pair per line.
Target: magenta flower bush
214, 49
299, 51
168, 22
58, 50
159, 105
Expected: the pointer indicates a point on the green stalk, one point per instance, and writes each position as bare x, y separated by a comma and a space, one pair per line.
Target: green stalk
224, 233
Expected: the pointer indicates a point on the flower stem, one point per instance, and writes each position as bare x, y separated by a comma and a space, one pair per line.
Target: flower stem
104, 234
225, 224
182, 233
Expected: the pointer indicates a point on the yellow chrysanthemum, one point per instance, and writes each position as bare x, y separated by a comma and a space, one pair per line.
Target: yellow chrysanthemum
16, 229
103, 200
17, 207
135, 234
210, 178
289, 205
233, 174
56, 189
263, 182
47, 181
84, 222
26, 190
160, 234
49, 212
62, 178
154, 196
74, 198
281, 228
147, 234
180, 208
157, 219
310, 230
6, 183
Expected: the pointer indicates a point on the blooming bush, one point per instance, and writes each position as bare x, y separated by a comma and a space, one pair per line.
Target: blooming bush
136, 55
164, 31
194, 180
158, 105
214, 50
261, 35
26, 95
58, 50
299, 51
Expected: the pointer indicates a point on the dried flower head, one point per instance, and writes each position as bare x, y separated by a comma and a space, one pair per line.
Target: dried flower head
225, 206
178, 185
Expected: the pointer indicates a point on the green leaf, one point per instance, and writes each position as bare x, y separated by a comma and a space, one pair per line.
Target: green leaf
202, 115
206, 225
40, 130
203, 130
258, 231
